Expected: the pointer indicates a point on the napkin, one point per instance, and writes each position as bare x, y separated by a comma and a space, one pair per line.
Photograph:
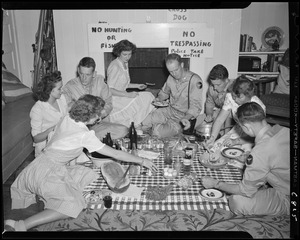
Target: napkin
133, 191
148, 154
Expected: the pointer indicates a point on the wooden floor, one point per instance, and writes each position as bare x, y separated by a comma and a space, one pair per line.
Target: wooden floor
6, 199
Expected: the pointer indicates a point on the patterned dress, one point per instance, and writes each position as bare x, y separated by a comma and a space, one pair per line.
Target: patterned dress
126, 110
50, 177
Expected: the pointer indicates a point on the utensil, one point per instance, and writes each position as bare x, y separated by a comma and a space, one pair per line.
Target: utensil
123, 177
206, 148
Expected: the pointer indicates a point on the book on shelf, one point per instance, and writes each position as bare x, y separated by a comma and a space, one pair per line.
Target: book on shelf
270, 60
246, 43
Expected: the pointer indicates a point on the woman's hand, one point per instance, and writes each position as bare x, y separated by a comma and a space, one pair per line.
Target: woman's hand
231, 142
150, 165
209, 182
132, 94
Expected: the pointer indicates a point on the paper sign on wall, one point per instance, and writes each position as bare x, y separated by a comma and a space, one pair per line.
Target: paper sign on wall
102, 37
192, 42
177, 15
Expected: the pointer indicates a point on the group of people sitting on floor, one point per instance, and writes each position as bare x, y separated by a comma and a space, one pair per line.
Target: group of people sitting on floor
66, 119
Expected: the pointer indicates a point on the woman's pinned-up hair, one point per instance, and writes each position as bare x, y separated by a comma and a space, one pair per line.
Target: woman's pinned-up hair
123, 45
86, 107
250, 112
243, 85
46, 85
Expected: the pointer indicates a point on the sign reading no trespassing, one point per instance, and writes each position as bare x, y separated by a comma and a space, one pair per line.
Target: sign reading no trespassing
103, 37
192, 42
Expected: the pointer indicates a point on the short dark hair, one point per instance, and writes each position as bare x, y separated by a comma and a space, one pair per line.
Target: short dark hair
250, 112
123, 45
87, 62
173, 57
243, 85
45, 86
218, 72
86, 107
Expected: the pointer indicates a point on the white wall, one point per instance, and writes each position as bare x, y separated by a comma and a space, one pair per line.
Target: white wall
72, 39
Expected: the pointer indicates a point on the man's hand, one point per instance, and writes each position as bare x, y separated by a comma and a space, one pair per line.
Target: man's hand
141, 86
210, 142
231, 142
209, 182
186, 123
208, 118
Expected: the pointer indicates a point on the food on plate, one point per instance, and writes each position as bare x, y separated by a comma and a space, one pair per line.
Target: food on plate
232, 152
210, 194
112, 172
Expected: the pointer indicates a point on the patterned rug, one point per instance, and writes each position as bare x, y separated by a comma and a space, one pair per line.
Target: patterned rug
207, 220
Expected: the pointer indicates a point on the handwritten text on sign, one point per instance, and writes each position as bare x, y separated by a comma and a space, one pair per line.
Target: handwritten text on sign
177, 15
103, 37
192, 42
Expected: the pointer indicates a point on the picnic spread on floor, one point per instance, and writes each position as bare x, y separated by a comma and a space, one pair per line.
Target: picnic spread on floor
164, 191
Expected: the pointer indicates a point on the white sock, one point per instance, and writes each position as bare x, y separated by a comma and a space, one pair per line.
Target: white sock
17, 225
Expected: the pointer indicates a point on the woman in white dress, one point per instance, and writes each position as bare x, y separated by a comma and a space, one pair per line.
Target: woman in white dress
127, 106
243, 91
49, 176
48, 110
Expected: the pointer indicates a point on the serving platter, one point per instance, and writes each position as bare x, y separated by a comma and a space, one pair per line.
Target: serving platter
232, 152
211, 194
161, 104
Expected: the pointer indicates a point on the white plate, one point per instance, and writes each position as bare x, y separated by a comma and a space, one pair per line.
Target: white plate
160, 104
232, 152
211, 194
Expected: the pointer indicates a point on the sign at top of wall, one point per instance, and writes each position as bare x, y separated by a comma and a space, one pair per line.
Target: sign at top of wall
178, 15
103, 37
192, 42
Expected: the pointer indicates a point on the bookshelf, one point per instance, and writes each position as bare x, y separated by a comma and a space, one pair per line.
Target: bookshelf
267, 54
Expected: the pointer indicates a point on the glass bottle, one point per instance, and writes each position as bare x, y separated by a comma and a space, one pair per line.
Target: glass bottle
132, 136
109, 141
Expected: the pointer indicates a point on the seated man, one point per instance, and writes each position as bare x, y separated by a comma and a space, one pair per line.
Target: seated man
219, 85
88, 82
183, 89
268, 162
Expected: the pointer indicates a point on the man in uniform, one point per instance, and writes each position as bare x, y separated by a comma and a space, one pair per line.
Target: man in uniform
88, 82
183, 89
265, 187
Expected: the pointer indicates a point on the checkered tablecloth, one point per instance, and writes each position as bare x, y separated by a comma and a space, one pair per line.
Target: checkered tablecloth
178, 199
